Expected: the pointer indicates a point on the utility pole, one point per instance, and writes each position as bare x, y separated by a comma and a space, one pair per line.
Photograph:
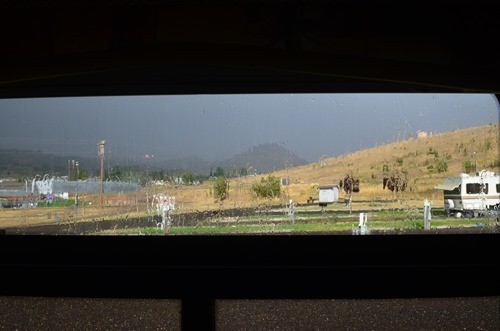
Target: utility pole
77, 171
101, 154
475, 163
69, 175
76, 193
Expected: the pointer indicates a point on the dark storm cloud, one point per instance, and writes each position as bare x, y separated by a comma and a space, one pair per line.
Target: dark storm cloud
218, 126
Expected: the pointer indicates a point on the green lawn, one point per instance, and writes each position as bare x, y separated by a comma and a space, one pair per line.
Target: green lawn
303, 225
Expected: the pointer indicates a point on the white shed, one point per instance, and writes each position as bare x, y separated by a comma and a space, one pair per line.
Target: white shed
328, 194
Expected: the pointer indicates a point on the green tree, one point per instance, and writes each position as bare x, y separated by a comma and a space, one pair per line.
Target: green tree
468, 166
269, 187
442, 166
83, 173
116, 173
243, 172
157, 175
188, 177
221, 188
219, 172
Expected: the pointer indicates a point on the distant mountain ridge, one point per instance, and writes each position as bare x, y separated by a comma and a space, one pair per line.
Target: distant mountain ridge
28, 163
262, 158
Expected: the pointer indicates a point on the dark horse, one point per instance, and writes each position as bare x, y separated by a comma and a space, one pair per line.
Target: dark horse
349, 184
394, 183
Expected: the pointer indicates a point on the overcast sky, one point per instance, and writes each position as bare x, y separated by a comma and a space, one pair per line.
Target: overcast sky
215, 127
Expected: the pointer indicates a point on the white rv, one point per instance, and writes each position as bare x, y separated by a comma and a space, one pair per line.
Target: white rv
471, 196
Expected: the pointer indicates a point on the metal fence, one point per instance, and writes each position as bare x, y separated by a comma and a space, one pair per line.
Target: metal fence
92, 186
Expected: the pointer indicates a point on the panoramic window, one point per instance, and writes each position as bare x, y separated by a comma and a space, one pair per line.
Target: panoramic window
347, 164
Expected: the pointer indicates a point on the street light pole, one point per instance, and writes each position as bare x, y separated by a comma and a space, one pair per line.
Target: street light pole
101, 154
69, 175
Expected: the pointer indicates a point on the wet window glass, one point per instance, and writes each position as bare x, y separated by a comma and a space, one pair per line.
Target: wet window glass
348, 164
477, 188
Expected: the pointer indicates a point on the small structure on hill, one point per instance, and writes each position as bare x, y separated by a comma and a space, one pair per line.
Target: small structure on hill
328, 194
421, 134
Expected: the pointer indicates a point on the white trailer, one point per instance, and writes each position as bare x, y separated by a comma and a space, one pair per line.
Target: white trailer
471, 196
328, 194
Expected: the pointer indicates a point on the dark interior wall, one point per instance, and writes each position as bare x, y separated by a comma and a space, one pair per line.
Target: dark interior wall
109, 47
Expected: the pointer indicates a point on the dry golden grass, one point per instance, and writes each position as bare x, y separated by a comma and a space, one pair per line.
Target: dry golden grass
415, 158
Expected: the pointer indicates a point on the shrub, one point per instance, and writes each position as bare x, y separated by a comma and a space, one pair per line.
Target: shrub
487, 145
468, 166
221, 188
441, 166
268, 188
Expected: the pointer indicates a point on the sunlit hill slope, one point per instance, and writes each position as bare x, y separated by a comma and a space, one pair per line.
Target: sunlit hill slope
424, 162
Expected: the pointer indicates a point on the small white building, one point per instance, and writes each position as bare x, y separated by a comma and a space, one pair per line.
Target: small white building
328, 194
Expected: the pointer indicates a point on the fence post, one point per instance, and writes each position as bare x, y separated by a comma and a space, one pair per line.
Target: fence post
427, 214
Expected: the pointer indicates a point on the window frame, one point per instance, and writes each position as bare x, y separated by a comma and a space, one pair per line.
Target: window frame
309, 267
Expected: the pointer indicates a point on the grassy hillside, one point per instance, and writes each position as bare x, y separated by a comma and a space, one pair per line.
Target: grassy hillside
424, 162
418, 160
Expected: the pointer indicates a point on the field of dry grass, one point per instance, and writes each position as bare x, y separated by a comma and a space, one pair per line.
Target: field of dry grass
416, 159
